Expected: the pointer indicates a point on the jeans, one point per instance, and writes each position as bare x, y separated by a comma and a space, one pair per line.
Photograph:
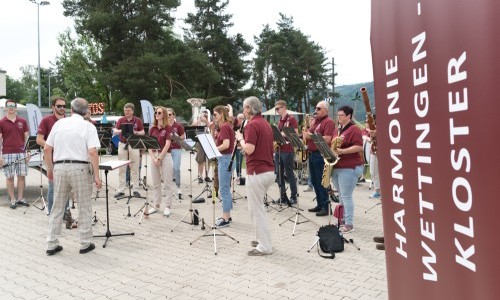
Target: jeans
317, 164
239, 162
225, 182
176, 159
286, 163
345, 181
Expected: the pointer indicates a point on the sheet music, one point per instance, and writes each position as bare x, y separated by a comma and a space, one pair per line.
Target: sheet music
208, 144
113, 164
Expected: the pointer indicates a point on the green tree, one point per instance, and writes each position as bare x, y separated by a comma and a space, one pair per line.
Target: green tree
289, 66
208, 33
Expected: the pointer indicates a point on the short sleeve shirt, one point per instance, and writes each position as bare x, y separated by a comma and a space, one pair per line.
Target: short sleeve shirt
162, 134
259, 133
179, 130
13, 134
350, 137
46, 125
225, 132
136, 122
288, 121
323, 127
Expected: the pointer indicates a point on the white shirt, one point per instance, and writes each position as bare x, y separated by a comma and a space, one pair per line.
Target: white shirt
72, 137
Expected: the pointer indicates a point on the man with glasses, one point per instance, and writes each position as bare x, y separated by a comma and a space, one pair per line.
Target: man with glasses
59, 111
13, 136
127, 153
285, 156
175, 149
325, 127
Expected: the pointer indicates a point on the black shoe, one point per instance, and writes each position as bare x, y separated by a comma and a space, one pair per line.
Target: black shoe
316, 209
200, 180
22, 203
323, 212
180, 196
293, 200
199, 200
54, 251
378, 239
137, 194
88, 249
380, 246
207, 179
119, 194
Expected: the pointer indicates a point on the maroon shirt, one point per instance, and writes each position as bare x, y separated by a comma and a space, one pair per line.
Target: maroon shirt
225, 132
324, 127
179, 130
351, 136
162, 134
46, 125
288, 121
138, 126
13, 134
259, 133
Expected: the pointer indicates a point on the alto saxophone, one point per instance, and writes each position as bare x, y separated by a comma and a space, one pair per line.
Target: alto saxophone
328, 168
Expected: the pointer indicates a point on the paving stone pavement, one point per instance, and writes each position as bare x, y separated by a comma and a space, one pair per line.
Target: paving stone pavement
158, 263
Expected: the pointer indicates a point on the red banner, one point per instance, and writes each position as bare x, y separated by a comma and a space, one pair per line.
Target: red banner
436, 78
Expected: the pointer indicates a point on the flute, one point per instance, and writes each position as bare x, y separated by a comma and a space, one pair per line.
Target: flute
230, 167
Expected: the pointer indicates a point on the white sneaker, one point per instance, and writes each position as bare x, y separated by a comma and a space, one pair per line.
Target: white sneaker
166, 212
308, 189
151, 210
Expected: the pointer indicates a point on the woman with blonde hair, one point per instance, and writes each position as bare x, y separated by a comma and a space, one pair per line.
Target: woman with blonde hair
225, 144
162, 160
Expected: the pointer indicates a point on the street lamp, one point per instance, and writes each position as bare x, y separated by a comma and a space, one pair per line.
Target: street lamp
38, 4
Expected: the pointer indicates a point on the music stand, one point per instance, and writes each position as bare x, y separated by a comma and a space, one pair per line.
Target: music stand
296, 143
31, 145
110, 166
143, 142
280, 140
194, 213
104, 139
208, 144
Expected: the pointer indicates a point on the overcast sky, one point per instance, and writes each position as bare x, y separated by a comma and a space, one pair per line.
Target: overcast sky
341, 27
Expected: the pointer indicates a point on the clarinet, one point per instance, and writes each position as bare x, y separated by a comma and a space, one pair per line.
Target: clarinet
230, 167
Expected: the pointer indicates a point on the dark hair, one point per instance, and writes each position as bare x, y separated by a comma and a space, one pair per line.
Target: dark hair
346, 109
55, 99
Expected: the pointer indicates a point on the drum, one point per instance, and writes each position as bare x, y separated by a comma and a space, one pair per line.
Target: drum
367, 145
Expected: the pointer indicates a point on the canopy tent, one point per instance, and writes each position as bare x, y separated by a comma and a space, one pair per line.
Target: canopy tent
272, 112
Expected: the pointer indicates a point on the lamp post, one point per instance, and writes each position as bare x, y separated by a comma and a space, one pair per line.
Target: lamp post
38, 4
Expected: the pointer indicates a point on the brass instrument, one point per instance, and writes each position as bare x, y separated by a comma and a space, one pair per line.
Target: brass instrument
369, 118
328, 168
305, 126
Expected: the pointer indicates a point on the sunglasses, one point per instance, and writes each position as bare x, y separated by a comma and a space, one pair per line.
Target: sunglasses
10, 106
158, 112
61, 106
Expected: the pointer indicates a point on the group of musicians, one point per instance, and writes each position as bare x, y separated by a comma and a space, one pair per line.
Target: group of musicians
248, 135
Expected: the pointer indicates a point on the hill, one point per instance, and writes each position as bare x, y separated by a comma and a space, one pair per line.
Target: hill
351, 95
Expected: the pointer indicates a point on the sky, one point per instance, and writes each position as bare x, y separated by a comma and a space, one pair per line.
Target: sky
341, 27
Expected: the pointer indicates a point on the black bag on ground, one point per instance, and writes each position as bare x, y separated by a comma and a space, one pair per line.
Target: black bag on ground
330, 241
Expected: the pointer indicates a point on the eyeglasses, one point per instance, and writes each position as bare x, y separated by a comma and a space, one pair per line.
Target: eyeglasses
158, 112
61, 106
318, 108
10, 106
341, 115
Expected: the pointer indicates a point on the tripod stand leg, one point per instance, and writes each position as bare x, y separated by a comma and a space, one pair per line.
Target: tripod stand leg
182, 219
316, 240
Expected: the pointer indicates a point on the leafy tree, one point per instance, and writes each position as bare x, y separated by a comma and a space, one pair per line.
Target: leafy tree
226, 54
289, 66
16, 90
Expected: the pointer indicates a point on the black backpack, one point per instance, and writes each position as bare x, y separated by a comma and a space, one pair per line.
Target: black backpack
330, 241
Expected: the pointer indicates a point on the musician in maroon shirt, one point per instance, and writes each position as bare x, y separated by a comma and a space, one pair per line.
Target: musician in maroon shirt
127, 153
257, 145
284, 157
44, 128
175, 149
13, 134
325, 127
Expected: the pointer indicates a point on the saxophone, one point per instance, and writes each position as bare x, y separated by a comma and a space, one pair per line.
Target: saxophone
328, 168
305, 127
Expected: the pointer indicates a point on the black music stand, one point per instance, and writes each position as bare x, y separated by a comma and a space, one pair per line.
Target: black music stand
110, 166
280, 140
143, 142
208, 144
194, 213
297, 144
31, 145
104, 139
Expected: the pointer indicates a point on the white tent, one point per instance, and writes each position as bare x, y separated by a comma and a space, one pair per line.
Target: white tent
2, 103
272, 112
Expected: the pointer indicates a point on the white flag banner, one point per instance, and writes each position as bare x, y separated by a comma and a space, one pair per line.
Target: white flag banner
148, 112
34, 118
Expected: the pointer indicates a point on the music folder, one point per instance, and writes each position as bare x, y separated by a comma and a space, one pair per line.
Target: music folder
113, 164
